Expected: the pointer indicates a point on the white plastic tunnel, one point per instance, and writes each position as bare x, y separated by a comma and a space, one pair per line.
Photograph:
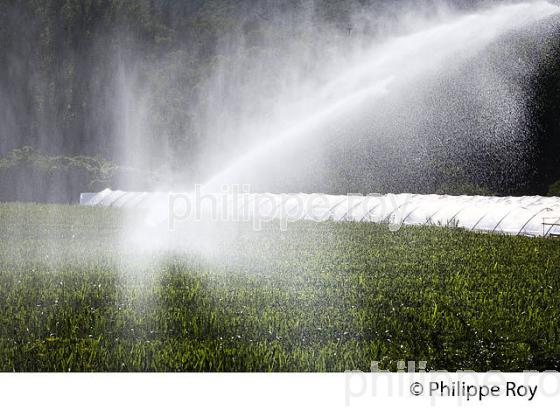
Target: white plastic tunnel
527, 215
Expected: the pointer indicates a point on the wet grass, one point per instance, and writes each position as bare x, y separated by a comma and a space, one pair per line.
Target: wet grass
74, 296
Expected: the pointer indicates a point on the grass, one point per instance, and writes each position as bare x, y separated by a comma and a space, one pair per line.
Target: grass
75, 296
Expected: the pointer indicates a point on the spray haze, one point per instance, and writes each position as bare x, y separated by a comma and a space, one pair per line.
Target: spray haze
298, 104
369, 94
284, 96
302, 105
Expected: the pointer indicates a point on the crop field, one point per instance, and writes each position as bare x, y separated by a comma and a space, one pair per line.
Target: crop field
76, 296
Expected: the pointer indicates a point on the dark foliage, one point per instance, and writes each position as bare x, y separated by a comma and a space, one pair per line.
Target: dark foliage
61, 62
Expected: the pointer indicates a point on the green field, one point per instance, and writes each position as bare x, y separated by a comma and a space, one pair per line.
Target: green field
75, 296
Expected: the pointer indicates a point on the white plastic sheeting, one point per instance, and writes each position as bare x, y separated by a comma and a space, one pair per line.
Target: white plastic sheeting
528, 215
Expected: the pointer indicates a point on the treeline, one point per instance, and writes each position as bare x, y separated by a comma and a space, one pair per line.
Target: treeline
64, 64
31, 176
75, 75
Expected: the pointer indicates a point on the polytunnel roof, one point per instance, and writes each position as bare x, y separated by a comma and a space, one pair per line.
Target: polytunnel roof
526, 215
